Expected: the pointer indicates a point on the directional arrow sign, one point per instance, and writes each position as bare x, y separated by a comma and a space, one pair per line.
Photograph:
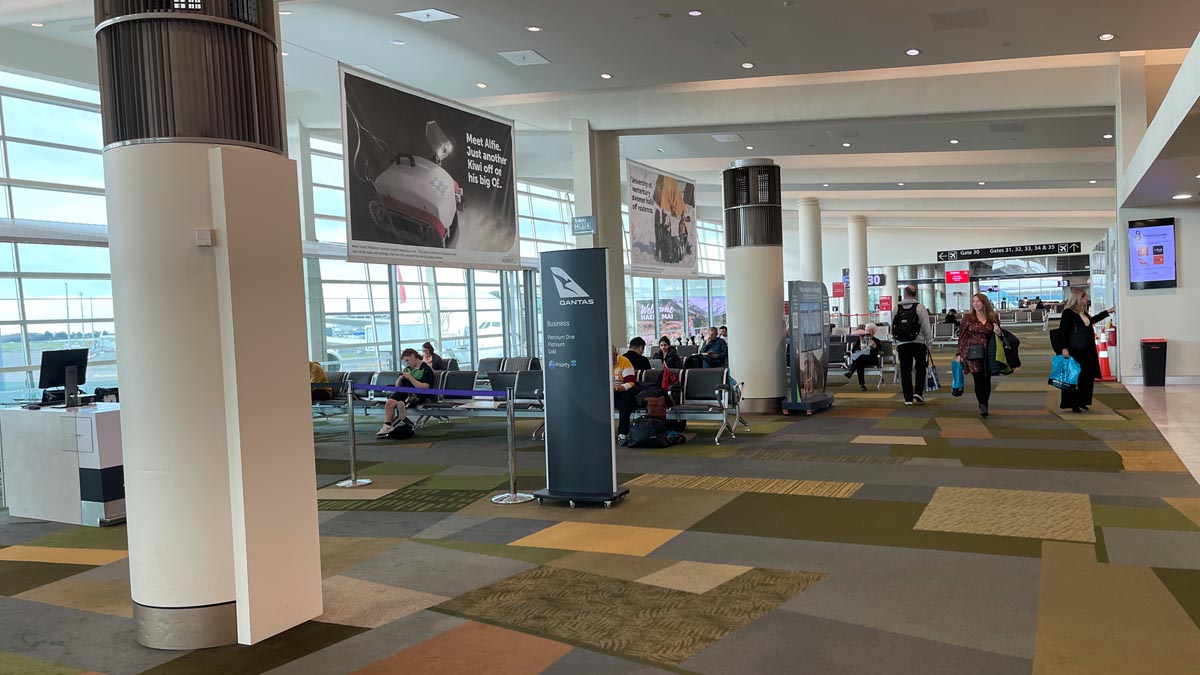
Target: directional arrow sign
1011, 251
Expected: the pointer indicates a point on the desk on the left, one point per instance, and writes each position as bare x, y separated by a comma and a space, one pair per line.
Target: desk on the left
63, 464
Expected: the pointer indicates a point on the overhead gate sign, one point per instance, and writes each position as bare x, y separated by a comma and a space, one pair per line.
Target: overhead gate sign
1065, 248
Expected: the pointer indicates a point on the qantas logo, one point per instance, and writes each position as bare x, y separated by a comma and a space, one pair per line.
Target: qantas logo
569, 292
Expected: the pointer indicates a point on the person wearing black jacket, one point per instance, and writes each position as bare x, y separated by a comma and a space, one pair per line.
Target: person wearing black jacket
636, 347
1079, 342
667, 354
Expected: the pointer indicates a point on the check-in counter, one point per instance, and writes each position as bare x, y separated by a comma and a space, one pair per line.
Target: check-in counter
63, 464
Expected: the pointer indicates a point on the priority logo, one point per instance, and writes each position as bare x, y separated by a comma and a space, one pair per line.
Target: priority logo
569, 292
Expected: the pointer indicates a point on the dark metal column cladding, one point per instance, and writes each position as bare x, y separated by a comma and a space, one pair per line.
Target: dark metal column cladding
753, 213
204, 71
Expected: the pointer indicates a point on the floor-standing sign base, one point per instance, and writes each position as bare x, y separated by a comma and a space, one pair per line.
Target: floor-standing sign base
581, 457
808, 330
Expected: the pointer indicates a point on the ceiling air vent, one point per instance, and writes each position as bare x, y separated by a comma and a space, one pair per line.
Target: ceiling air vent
524, 57
727, 138
1008, 127
428, 15
960, 19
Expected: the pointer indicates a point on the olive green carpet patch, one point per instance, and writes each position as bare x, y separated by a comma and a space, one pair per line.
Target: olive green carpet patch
111, 537
639, 621
271, 653
19, 576
1137, 517
851, 521
1185, 586
408, 499
529, 554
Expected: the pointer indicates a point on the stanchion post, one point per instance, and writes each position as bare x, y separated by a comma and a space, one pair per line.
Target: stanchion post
513, 497
354, 480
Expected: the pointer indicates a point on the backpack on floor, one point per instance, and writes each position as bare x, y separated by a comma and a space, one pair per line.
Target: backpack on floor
906, 327
647, 432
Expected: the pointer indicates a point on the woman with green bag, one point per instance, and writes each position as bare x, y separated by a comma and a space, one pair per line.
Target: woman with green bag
976, 330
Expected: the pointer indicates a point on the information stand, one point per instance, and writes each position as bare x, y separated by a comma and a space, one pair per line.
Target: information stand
808, 328
581, 457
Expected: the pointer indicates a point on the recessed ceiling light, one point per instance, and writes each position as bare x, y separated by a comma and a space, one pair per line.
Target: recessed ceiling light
695, 12
660, 149
747, 65
533, 29
983, 182
845, 145
481, 85
37, 24
1182, 196
1105, 37
283, 53
605, 76
900, 184
913, 52
1198, 175
398, 43
1091, 182
1108, 137
824, 184
953, 141
749, 147
285, 12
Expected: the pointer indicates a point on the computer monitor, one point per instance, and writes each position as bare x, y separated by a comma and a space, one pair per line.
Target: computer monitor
55, 364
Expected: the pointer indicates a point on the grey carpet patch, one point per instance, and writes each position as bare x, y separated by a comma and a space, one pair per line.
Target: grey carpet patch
435, 569
1153, 548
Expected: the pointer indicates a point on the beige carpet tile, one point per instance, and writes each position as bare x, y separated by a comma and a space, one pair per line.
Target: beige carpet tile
621, 539
960, 427
627, 567
339, 554
889, 440
1152, 460
783, 455
669, 508
1188, 506
472, 648
102, 597
366, 604
365, 493
693, 577
1010, 513
70, 556
815, 488
1147, 446
1105, 618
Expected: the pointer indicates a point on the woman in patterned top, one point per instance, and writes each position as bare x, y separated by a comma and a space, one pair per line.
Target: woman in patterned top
975, 331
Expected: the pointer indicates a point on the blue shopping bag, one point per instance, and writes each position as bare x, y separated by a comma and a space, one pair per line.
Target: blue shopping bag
956, 387
932, 382
1064, 373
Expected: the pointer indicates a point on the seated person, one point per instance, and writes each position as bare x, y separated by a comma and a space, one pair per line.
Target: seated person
724, 333
624, 394
637, 346
952, 317
316, 375
417, 375
431, 358
715, 352
865, 354
667, 354
1040, 304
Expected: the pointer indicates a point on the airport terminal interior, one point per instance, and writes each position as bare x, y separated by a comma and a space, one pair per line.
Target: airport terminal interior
480, 222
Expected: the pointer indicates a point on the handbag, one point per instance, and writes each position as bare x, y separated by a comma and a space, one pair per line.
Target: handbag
977, 352
956, 371
1064, 373
931, 379
1082, 340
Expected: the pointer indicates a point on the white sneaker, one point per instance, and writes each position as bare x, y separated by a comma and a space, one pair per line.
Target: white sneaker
908, 403
918, 398
384, 430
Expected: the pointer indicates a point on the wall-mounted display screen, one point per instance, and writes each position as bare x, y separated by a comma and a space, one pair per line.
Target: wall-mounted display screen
1152, 253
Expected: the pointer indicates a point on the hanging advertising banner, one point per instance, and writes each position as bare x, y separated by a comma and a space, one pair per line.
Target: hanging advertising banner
808, 334
958, 276
428, 181
839, 289
662, 223
580, 440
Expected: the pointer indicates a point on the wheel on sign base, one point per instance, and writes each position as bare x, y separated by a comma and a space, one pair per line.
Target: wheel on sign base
608, 504
622, 497
539, 501
571, 503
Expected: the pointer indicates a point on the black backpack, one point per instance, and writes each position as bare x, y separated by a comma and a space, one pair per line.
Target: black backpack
647, 432
906, 326
401, 431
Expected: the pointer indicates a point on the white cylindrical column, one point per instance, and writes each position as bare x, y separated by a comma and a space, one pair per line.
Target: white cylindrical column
809, 265
925, 288
176, 464
892, 286
754, 281
859, 303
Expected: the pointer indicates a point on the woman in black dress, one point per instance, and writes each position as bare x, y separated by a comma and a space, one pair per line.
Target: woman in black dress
1079, 340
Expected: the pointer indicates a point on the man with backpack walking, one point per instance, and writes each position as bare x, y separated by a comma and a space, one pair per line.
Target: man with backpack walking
914, 345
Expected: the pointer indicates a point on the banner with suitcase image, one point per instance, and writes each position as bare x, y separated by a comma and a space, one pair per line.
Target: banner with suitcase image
662, 223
